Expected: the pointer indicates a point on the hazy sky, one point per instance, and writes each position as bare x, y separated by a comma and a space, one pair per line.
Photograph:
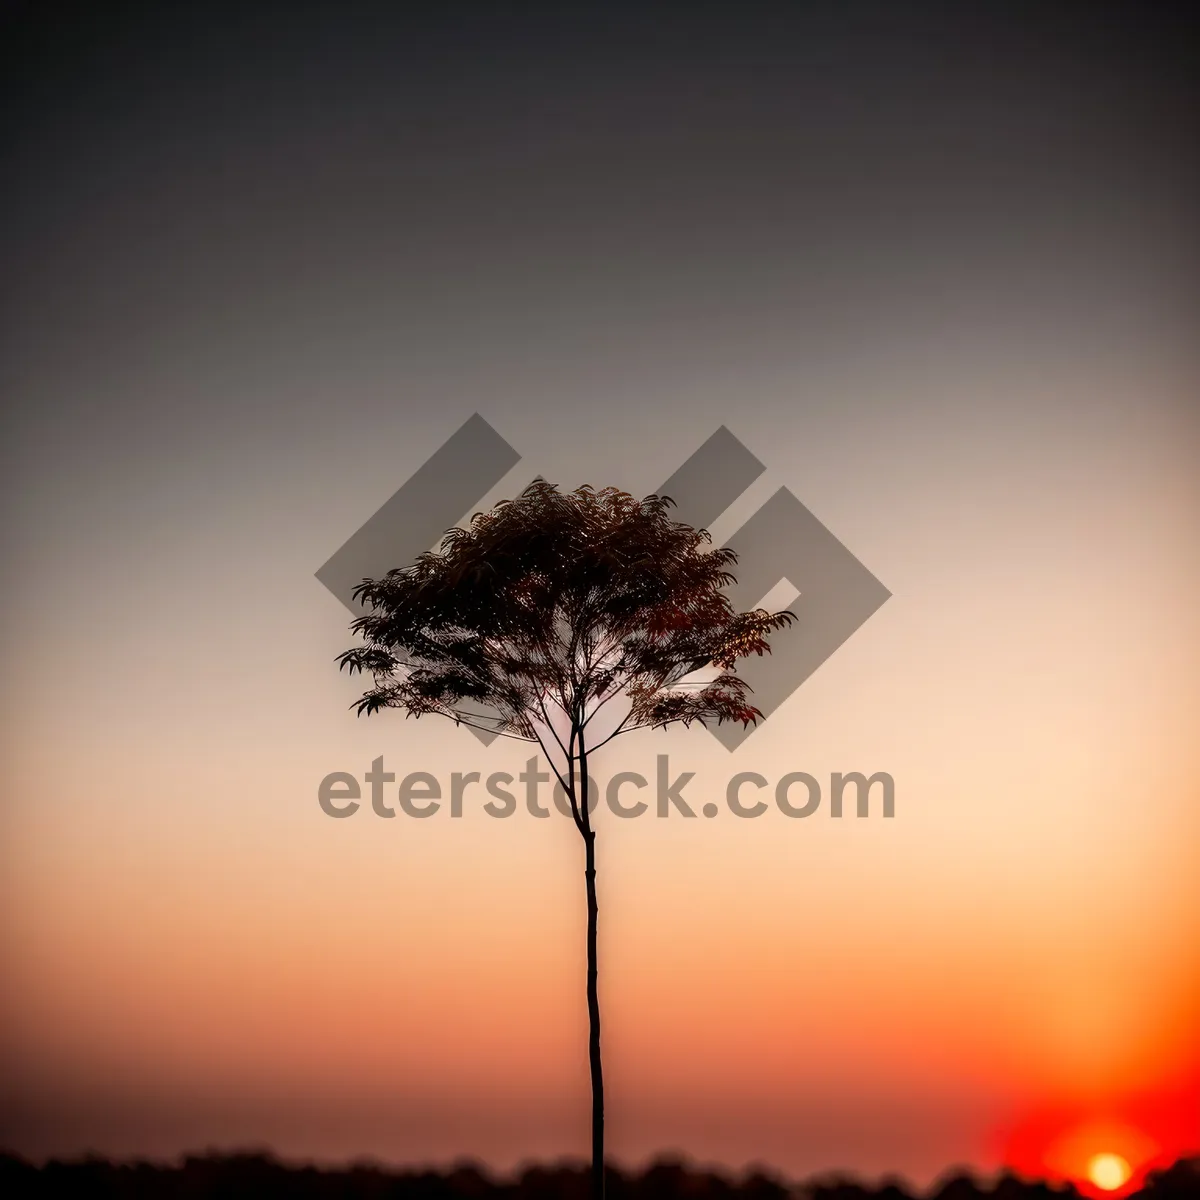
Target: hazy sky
935, 267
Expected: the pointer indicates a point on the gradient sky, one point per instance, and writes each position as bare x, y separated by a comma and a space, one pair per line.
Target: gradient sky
934, 266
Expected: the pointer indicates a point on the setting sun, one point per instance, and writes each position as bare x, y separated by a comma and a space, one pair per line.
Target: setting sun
1108, 1171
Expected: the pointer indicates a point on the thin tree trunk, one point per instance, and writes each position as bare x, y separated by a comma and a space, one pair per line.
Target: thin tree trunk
593, 997
594, 1023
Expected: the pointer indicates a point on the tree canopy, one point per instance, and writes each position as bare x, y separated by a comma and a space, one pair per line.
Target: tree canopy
551, 605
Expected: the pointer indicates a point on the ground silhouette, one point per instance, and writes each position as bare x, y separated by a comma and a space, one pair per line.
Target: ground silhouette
238, 1176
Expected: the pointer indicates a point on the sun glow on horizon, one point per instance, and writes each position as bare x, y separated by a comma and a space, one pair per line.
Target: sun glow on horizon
1108, 1171
1109, 1154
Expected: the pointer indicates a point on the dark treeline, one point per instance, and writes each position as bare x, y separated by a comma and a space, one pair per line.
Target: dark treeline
258, 1175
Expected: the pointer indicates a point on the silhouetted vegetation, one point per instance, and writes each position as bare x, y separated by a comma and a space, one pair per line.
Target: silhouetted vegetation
242, 1176
530, 621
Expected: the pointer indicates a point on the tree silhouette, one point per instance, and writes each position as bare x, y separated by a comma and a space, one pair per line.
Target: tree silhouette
565, 619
